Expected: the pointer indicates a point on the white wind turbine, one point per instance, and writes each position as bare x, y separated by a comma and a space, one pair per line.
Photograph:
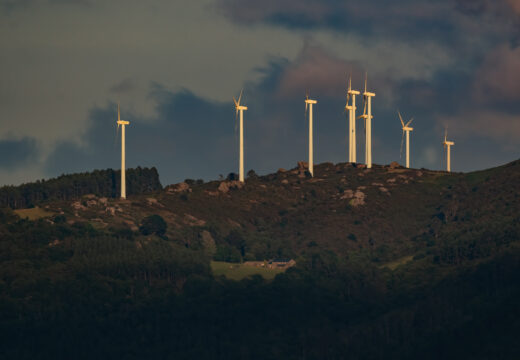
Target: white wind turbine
406, 129
308, 104
447, 145
122, 123
240, 109
367, 115
352, 121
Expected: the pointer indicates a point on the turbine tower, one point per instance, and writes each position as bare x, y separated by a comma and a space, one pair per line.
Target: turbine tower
122, 123
447, 145
352, 121
240, 109
406, 129
308, 104
367, 115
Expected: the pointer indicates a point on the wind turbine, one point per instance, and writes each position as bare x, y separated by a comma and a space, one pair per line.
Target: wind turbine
308, 104
240, 109
122, 123
352, 121
447, 145
406, 129
367, 115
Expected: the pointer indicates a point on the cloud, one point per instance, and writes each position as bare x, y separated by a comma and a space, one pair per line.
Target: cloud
501, 127
498, 78
17, 153
317, 71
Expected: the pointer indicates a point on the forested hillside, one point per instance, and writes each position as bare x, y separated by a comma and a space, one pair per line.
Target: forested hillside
72, 187
391, 263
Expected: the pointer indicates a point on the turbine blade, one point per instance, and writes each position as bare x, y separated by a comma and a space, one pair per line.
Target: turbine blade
409, 122
400, 118
366, 79
235, 101
117, 135
402, 140
350, 82
118, 114
240, 97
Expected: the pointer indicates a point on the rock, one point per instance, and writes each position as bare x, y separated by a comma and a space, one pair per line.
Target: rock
394, 165
90, 196
77, 206
110, 210
361, 166
359, 199
91, 203
362, 187
347, 194
234, 223
55, 242
131, 225
303, 165
154, 202
282, 170
419, 173
225, 186
377, 184
384, 190
103, 201
285, 181
193, 221
180, 187
392, 180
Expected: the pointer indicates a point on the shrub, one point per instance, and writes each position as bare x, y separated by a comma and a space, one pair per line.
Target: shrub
153, 224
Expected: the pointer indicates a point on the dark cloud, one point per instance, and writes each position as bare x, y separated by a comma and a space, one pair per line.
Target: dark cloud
407, 20
17, 153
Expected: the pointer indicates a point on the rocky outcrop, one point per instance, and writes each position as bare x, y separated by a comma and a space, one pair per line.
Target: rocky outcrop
225, 186
178, 188
394, 165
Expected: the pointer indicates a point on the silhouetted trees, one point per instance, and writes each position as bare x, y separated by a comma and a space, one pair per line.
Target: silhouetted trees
71, 187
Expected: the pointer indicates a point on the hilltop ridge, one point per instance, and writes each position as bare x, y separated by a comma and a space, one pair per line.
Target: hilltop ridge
388, 210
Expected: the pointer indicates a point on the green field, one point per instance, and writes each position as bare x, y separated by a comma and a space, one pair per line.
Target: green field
235, 271
33, 213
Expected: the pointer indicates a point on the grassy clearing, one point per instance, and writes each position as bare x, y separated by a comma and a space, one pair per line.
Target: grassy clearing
238, 271
395, 264
33, 214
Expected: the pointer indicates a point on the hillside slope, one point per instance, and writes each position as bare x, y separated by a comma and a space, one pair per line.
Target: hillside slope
391, 263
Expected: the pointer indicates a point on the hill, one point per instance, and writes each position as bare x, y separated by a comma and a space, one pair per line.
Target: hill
390, 263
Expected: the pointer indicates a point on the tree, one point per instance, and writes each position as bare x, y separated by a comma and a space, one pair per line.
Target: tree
153, 224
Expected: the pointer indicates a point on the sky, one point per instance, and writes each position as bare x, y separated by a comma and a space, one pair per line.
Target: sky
175, 66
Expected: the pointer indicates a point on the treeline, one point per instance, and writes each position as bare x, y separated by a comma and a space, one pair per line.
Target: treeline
70, 187
73, 291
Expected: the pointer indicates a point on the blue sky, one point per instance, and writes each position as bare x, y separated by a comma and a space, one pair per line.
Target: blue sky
175, 66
